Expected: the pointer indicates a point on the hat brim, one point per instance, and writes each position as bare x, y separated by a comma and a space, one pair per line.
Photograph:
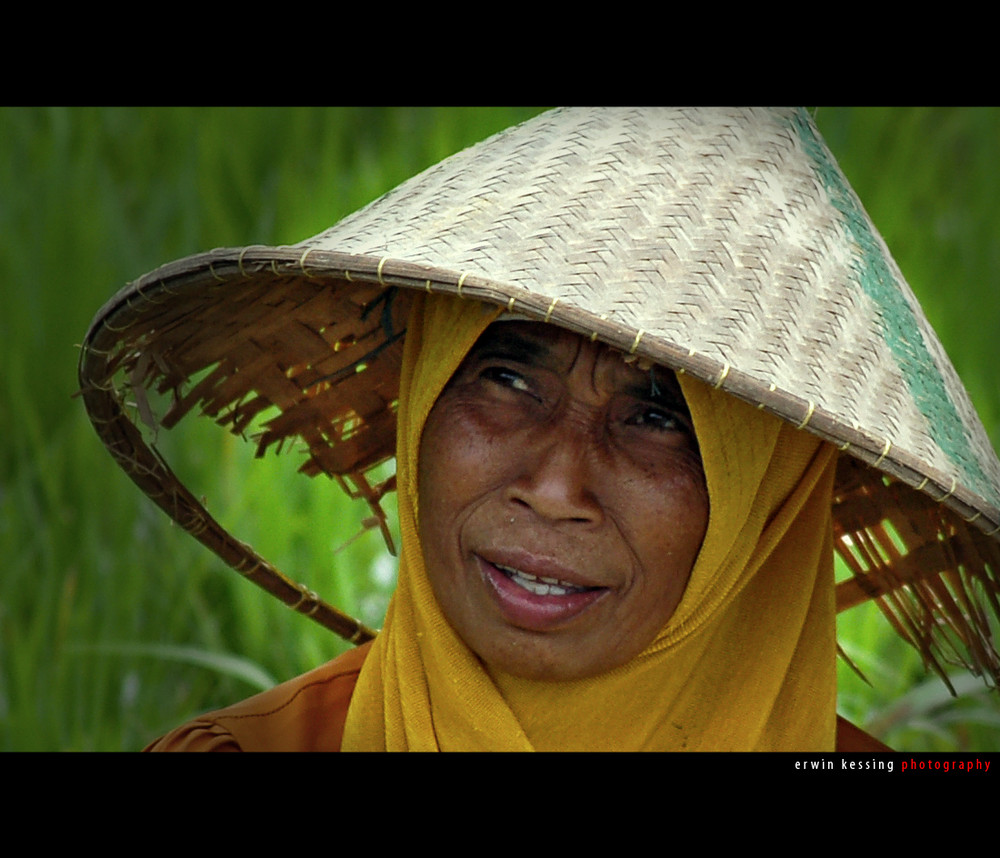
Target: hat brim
283, 345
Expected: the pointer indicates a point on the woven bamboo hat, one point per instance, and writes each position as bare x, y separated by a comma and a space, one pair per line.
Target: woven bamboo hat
724, 243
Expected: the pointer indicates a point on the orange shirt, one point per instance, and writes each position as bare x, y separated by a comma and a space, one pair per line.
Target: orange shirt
304, 714
307, 714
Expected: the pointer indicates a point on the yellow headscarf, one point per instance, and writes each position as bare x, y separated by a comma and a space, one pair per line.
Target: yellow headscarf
747, 662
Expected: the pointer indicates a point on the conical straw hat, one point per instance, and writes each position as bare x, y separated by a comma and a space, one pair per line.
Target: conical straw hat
724, 243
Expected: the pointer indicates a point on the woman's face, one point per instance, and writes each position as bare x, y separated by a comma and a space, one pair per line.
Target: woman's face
562, 502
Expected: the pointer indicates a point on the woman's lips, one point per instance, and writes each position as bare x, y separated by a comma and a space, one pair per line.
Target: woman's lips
536, 602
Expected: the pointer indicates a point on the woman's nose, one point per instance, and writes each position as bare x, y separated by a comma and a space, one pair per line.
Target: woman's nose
557, 478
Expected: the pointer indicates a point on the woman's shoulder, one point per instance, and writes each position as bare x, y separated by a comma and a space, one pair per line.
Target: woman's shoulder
851, 738
304, 714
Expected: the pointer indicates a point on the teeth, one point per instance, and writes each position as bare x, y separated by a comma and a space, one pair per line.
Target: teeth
539, 586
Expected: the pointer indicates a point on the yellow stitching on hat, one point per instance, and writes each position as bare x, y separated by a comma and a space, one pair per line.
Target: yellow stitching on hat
152, 299
593, 336
130, 298
970, 520
242, 271
809, 414
356, 636
770, 389
302, 262
211, 270
635, 345
923, 483
248, 573
461, 283
951, 491
304, 594
510, 304
107, 384
166, 287
347, 276
552, 306
885, 453
106, 324
196, 526
995, 530
681, 370
845, 445
274, 270
427, 285
381, 262
722, 376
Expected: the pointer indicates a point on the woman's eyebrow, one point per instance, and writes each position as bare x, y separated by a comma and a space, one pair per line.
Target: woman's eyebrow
511, 344
659, 388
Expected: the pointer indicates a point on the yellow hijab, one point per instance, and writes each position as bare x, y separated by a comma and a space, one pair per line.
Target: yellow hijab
747, 662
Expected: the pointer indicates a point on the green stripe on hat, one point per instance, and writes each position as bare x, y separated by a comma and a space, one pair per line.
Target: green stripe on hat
898, 320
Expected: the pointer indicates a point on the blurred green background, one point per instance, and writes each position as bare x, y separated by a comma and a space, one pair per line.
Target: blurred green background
115, 625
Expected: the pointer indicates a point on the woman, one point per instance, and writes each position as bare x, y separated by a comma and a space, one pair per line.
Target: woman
597, 552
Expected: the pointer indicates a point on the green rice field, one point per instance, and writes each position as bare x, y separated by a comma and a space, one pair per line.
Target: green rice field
115, 625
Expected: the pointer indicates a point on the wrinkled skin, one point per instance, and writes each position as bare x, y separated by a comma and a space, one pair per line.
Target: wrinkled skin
550, 455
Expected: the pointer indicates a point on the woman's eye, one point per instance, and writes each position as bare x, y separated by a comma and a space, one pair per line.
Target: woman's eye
659, 419
506, 377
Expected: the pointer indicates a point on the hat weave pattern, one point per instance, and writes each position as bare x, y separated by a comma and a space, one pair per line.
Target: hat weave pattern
730, 232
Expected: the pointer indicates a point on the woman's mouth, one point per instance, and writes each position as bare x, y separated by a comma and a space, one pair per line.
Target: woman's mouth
536, 602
